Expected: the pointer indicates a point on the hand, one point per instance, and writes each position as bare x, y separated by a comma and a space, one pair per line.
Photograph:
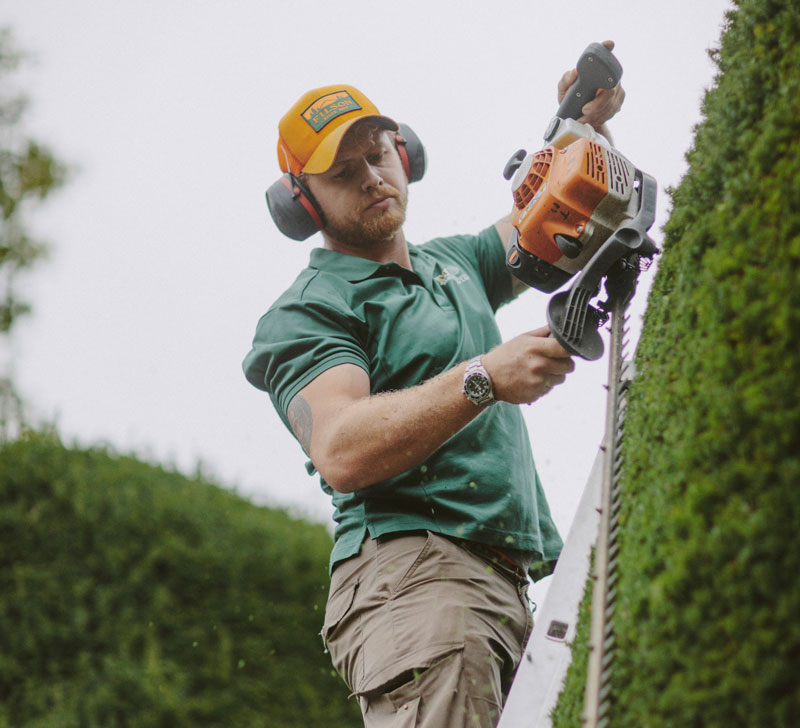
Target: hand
605, 104
527, 367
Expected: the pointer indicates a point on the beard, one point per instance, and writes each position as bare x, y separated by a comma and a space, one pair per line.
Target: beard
366, 228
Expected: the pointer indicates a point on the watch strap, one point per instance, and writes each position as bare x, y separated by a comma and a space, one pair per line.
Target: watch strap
477, 383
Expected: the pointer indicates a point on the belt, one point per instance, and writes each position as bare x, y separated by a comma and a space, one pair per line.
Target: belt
508, 559
516, 559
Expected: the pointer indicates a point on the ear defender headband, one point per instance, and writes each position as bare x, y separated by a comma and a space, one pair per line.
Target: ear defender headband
296, 212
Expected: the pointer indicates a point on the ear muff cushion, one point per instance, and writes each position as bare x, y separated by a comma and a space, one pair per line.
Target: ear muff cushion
293, 208
414, 151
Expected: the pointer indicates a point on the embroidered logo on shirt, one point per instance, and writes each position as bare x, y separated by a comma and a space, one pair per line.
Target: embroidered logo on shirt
451, 273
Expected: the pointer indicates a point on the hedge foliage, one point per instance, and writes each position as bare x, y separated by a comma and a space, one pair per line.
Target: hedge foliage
132, 596
708, 602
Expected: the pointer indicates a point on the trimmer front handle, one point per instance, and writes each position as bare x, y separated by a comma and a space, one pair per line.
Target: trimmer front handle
573, 321
597, 68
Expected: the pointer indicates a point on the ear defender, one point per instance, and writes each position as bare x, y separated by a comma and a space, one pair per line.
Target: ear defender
412, 153
297, 214
293, 208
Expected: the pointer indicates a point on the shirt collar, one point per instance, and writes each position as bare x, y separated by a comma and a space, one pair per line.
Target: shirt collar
353, 268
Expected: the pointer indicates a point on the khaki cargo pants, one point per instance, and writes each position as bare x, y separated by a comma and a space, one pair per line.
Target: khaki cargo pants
426, 633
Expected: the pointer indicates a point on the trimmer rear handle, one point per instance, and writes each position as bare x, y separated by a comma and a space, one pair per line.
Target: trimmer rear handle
597, 68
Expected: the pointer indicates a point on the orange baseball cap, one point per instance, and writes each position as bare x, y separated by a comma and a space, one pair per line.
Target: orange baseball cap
309, 134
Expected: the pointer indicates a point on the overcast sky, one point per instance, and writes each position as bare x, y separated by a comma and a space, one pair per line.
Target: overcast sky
164, 256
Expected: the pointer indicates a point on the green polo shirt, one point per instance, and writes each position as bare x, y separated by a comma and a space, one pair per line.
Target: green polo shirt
403, 327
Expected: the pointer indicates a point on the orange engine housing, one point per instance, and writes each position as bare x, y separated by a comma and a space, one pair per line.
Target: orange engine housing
580, 193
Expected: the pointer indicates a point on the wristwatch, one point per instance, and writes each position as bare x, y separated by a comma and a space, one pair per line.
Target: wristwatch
477, 384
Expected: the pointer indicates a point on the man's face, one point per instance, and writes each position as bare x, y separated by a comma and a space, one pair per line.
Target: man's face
364, 193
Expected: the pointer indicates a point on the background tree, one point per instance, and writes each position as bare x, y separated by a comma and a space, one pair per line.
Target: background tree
28, 173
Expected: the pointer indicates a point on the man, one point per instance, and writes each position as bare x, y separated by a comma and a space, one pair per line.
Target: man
385, 361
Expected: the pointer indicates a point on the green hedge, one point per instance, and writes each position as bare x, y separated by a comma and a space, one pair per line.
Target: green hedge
709, 605
133, 596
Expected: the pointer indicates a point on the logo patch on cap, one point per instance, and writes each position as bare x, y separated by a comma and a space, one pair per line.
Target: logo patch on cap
326, 108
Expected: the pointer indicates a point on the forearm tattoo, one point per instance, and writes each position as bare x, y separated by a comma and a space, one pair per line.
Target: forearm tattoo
300, 418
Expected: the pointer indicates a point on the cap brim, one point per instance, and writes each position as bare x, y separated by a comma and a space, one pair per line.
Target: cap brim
325, 154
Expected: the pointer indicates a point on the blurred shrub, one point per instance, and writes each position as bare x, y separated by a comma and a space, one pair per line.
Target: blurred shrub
133, 596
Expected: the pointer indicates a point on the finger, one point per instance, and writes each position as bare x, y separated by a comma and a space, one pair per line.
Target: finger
605, 100
547, 344
546, 388
558, 367
566, 81
554, 350
605, 105
553, 380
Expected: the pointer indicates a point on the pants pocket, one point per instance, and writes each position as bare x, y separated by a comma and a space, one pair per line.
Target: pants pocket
397, 559
337, 638
338, 606
423, 695
436, 694
384, 716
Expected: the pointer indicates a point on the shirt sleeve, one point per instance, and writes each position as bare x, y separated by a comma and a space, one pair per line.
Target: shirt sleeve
491, 257
295, 342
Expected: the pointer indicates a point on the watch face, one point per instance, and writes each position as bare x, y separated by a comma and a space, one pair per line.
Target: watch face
477, 386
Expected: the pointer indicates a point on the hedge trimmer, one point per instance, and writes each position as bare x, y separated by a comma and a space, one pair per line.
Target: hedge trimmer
582, 211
